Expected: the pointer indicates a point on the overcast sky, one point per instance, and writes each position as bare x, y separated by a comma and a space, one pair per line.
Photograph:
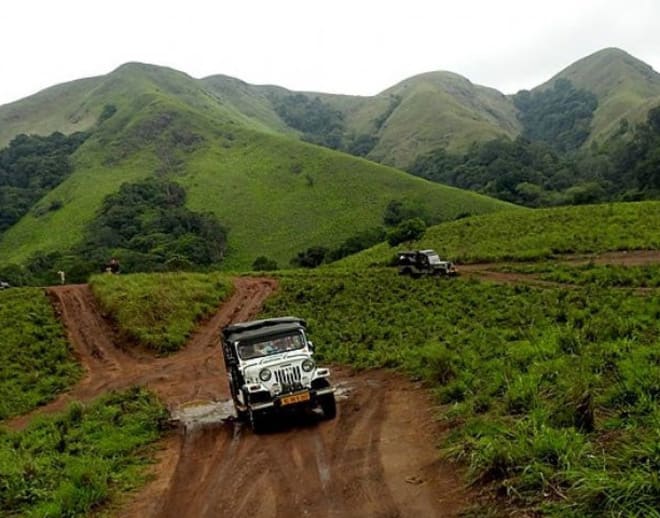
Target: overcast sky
355, 47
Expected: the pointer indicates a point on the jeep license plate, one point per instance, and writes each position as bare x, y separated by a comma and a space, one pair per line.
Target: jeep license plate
295, 398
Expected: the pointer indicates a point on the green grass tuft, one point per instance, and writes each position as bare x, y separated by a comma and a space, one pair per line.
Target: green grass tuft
36, 362
160, 311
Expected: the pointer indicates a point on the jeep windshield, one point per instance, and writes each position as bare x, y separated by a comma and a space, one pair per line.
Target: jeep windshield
267, 346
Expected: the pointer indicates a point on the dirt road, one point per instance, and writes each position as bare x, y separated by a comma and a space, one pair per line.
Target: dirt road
195, 372
492, 271
377, 458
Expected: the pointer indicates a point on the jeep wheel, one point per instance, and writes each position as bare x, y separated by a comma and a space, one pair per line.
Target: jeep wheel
329, 406
257, 421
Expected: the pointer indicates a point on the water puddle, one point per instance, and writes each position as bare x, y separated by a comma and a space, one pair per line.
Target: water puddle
204, 413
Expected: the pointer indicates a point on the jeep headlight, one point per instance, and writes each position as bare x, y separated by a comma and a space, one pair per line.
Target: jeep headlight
308, 365
265, 375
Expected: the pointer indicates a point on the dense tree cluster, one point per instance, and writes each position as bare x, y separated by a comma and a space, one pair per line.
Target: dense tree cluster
147, 225
317, 255
31, 166
318, 122
637, 163
559, 115
534, 173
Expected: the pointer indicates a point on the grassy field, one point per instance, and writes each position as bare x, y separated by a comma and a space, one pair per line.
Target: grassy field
77, 462
36, 362
533, 235
160, 311
552, 394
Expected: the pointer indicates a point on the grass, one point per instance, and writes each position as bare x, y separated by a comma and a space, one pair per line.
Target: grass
160, 311
279, 196
441, 109
36, 362
534, 235
81, 460
552, 395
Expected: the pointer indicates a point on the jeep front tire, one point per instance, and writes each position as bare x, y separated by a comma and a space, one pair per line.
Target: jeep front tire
328, 405
257, 421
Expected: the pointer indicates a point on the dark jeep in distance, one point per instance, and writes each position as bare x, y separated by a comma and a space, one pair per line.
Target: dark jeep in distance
423, 262
270, 369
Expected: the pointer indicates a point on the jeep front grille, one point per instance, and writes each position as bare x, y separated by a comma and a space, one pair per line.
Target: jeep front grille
289, 377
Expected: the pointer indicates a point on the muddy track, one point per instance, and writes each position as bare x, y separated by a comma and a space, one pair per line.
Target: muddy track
377, 458
185, 376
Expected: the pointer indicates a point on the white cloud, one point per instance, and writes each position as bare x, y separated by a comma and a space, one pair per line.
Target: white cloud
353, 47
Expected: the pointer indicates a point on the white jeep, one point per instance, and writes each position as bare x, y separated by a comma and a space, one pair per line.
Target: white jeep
271, 370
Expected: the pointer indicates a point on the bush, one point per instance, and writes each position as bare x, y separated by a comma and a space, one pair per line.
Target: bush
263, 264
409, 230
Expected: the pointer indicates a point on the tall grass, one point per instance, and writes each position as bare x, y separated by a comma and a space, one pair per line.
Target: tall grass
552, 395
74, 463
160, 311
35, 359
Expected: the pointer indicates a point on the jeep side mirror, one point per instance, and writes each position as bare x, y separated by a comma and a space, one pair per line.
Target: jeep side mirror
310, 344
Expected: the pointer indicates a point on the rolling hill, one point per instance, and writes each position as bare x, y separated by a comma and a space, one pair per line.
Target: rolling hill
411, 118
276, 195
394, 127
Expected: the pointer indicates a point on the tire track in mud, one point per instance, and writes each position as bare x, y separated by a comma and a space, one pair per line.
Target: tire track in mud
181, 377
376, 459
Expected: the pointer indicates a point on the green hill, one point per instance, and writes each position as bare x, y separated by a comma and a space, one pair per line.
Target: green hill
394, 127
526, 235
626, 88
437, 109
276, 194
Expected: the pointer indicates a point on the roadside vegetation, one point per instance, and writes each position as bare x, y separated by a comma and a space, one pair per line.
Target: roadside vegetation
552, 395
74, 463
533, 235
36, 362
160, 311
605, 275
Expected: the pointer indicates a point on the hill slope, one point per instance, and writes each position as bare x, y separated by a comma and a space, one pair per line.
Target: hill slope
276, 194
534, 234
411, 118
625, 87
394, 127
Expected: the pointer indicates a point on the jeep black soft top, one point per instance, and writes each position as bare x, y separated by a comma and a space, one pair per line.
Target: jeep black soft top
257, 328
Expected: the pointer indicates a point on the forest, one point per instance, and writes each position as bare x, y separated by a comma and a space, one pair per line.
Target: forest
31, 166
